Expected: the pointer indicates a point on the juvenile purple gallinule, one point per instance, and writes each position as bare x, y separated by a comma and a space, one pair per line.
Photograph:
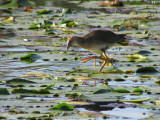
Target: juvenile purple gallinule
97, 42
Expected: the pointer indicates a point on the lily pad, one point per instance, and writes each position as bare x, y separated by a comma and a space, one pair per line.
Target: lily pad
119, 79
4, 91
34, 27
35, 74
17, 3
44, 12
21, 90
143, 52
135, 100
101, 91
30, 57
113, 71
146, 70
9, 19
19, 80
122, 91
138, 58
63, 106
69, 23
50, 86
139, 90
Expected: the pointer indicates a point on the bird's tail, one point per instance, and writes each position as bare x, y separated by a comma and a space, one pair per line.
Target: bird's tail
124, 39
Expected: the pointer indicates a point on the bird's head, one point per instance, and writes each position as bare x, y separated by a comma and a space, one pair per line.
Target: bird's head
71, 41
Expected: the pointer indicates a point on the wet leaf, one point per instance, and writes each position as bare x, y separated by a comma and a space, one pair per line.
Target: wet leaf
113, 71
9, 19
146, 70
50, 86
119, 79
4, 91
44, 12
129, 71
34, 27
35, 74
18, 80
68, 23
143, 52
138, 58
30, 57
122, 91
101, 91
18, 3
21, 90
103, 86
135, 100
139, 90
66, 11
63, 106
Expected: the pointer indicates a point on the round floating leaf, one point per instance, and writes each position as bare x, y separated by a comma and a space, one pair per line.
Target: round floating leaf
30, 57
119, 79
143, 52
122, 91
137, 90
19, 80
4, 91
101, 91
20, 90
34, 27
146, 70
44, 12
63, 106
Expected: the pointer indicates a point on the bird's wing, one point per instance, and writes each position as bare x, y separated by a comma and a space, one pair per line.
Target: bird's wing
103, 36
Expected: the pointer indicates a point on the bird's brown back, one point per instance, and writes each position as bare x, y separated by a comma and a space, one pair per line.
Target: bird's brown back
104, 36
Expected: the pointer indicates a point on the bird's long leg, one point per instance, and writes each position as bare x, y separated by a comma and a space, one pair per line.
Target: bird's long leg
105, 61
108, 58
92, 57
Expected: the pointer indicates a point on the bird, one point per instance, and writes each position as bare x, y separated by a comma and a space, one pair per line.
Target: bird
97, 41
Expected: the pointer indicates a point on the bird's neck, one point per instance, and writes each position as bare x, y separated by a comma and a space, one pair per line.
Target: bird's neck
79, 41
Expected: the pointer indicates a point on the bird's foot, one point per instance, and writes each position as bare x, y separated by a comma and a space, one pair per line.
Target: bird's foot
84, 60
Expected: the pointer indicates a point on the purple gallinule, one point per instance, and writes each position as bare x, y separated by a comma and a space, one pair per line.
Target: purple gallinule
97, 42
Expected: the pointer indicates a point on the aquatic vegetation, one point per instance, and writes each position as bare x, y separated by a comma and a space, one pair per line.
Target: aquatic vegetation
122, 91
137, 90
38, 35
4, 91
63, 106
146, 70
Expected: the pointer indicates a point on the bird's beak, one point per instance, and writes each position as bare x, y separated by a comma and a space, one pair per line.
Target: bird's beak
68, 46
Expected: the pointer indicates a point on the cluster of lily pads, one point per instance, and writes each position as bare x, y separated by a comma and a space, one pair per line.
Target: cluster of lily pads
51, 97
